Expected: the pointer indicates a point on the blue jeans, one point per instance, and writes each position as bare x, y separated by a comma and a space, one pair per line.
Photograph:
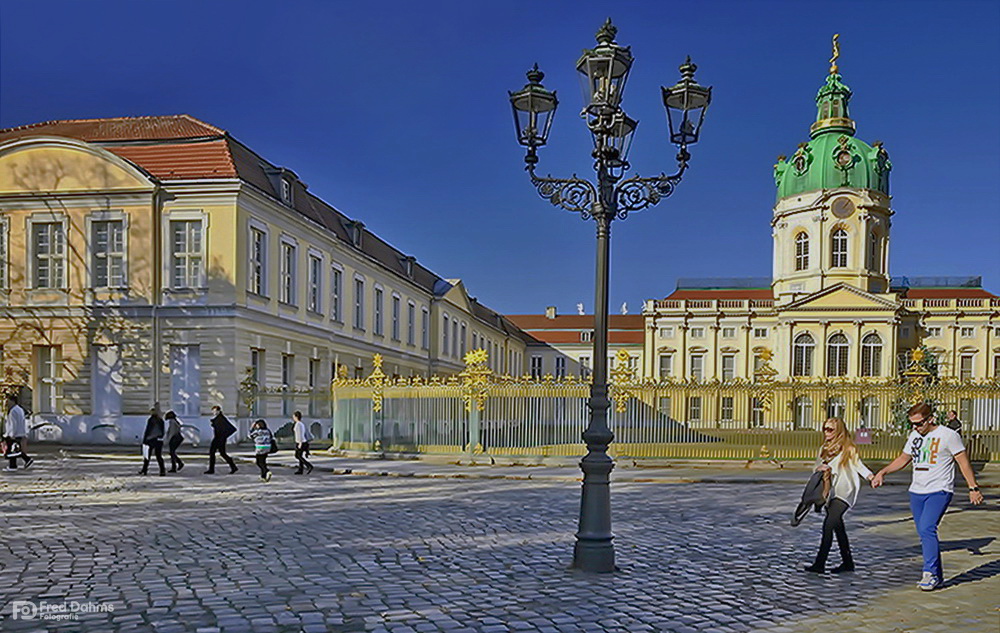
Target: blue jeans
927, 512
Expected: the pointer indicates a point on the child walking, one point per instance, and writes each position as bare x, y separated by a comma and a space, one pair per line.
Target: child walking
263, 439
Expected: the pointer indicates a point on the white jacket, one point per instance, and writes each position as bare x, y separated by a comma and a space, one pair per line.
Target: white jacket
845, 477
16, 425
302, 434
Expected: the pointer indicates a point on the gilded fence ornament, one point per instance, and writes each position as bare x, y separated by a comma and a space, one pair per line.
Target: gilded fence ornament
622, 374
376, 381
475, 379
764, 379
916, 376
249, 389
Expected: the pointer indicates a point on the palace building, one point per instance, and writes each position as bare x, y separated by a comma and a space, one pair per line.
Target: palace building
158, 259
830, 308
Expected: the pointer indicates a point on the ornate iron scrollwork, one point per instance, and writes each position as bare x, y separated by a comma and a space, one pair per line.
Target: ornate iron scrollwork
636, 193
573, 194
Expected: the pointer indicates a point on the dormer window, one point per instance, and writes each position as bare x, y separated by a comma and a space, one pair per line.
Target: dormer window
286, 191
408, 266
355, 230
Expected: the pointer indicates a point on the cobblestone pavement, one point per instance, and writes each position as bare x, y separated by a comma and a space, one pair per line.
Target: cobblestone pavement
346, 554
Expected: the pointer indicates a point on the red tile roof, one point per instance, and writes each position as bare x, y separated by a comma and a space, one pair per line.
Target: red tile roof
722, 293
143, 128
575, 322
172, 161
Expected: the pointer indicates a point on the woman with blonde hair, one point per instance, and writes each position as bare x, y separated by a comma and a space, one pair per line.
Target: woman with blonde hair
841, 467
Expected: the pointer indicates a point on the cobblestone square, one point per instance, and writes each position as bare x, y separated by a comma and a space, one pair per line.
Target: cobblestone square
352, 554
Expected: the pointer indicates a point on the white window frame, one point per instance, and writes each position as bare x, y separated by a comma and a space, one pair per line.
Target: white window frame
967, 331
336, 293
586, 336
665, 364
728, 332
395, 316
871, 355
963, 359
46, 218
801, 251
560, 367
666, 331
48, 382
537, 366
461, 341
314, 271
760, 332
839, 248
696, 361
108, 216
934, 331
843, 356
288, 270
168, 247
727, 406
378, 310
359, 302
803, 351
425, 328
445, 332
257, 279
730, 370
698, 332
411, 323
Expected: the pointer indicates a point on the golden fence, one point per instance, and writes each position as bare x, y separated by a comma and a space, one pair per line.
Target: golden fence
479, 412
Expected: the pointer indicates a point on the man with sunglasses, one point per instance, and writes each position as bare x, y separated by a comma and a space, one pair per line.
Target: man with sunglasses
934, 450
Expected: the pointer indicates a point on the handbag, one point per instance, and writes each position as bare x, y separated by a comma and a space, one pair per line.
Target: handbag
274, 447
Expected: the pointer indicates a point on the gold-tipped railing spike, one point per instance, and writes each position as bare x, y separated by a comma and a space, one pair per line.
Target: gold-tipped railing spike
764, 379
623, 374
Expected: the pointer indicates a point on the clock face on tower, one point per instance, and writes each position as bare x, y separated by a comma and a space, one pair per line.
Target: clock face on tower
842, 208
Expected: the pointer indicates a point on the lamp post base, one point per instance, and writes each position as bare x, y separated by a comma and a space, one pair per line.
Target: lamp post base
594, 550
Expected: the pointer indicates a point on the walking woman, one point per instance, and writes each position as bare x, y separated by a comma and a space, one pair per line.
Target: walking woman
174, 440
839, 462
152, 438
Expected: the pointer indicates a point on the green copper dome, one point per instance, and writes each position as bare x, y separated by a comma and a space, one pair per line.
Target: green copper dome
833, 157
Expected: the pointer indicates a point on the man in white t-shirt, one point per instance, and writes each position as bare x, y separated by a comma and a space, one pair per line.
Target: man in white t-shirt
933, 450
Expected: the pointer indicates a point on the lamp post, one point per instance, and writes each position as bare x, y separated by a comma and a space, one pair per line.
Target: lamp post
603, 72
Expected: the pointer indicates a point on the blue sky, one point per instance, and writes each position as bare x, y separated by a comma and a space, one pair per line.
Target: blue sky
397, 114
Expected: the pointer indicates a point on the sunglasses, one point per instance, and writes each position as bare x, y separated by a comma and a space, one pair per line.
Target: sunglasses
828, 429
920, 423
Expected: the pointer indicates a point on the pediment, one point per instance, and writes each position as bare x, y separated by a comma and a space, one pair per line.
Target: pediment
458, 296
843, 297
58, 165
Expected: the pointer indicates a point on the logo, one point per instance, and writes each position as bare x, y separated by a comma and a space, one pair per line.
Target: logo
24, 610
67, 610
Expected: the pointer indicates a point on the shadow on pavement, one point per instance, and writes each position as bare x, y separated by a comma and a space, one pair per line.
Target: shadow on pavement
984, 571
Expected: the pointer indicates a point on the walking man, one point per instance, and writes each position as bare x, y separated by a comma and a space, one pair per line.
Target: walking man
302, 437
16, 432
934, 450
222, 428
152, 438
952, 422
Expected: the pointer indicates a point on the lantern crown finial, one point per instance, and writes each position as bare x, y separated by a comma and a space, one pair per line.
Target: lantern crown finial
688, 68
535, 75
606, 34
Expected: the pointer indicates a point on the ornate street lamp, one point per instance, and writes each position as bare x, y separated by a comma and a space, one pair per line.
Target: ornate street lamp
604, 71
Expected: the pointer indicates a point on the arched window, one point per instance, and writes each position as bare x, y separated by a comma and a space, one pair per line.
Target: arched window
871, 355
836, 355
874, 253
801, 251
803, 412
802, 355
838, 256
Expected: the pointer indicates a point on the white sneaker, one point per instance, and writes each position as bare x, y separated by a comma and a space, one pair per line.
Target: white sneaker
267, 477
11, 468
928, 582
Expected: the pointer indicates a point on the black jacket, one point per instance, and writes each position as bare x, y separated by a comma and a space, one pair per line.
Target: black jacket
811, 496
154, 430
222, 427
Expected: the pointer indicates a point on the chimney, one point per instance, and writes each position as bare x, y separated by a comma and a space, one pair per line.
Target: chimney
550, 312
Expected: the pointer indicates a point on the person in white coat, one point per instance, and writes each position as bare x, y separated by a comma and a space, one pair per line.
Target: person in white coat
842, 468
16, 432
302, 437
